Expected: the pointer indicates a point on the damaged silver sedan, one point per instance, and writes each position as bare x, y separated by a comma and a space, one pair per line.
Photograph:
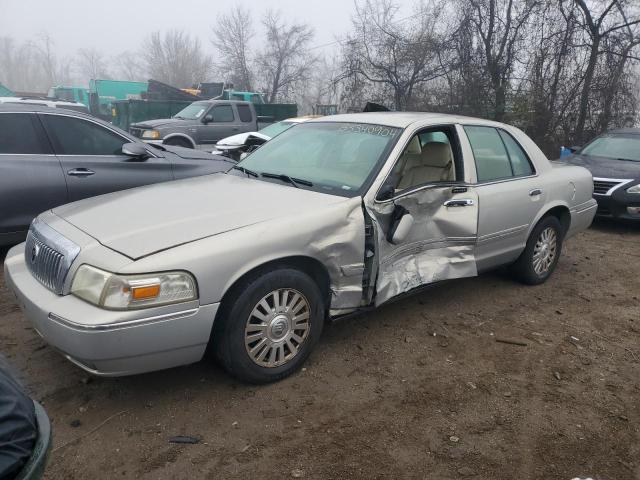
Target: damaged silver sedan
333, 216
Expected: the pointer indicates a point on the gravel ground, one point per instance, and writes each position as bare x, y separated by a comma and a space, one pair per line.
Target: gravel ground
421, 388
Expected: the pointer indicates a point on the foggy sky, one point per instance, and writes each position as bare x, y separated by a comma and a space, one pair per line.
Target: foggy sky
113, 26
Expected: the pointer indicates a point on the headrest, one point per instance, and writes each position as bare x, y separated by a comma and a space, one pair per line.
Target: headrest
414, 146
436, 154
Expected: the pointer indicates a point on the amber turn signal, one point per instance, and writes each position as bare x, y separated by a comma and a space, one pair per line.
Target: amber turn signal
146, 292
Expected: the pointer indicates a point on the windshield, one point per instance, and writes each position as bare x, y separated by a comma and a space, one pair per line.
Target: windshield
276, 128
336, 158
193, 111
620, 146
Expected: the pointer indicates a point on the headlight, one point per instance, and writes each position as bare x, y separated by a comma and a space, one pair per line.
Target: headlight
634, 189
128, 292
151, 134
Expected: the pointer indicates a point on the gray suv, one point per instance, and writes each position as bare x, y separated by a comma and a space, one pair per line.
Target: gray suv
199, 125
49, 157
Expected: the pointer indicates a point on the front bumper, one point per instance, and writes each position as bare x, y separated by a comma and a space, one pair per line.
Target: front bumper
111, 343
620, 205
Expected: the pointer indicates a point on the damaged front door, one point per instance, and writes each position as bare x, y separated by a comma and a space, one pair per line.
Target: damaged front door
426, 216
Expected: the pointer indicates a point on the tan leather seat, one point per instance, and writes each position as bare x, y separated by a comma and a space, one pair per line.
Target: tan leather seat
434, 164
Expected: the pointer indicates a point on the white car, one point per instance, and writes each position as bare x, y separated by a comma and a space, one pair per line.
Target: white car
44, 102
236, 145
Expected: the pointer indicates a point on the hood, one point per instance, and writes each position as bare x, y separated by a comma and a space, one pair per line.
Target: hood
606, 167
145, 220
241, 139
191, 153
159, 123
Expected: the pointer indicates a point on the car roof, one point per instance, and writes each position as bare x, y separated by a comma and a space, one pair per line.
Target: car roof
212, 100
37, 100
303, 118
403, 119
33, 107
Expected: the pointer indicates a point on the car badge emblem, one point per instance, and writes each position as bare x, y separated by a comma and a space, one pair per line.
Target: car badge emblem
34, 253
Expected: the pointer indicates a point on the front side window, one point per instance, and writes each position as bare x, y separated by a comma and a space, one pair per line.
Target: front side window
428, 158
492, 160
193, 111
336, 158
222, 113
75, 136
19, 135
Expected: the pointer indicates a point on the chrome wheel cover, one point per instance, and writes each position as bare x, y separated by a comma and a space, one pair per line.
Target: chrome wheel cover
545, 251
277, 327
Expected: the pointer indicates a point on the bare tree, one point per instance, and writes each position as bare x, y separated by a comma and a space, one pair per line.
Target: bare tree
499, 25
127, 65
232, 35
286, 59
599, 26
56, 70
394, 54
176, 58
92, 64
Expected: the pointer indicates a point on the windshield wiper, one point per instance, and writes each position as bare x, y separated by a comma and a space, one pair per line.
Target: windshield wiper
246, 171
296, 182
179, 117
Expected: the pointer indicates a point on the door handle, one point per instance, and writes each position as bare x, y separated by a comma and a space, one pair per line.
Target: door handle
535, 192
463, 202
80, 172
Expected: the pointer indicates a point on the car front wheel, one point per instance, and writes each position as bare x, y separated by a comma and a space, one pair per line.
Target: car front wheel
542, 252
269, 326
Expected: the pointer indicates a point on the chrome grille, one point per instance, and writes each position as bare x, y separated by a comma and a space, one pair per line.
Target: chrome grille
49, 255
606, 186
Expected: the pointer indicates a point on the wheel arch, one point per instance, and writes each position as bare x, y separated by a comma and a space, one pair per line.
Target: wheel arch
309, 265
180, 135
558, 210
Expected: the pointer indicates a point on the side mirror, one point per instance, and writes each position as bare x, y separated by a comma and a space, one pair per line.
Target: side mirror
135, 150
575, 148
207, 119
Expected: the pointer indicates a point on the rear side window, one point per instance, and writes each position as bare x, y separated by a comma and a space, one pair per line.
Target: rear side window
492, 161
19, 134
75, 136
245, 113
222, 113
519, 159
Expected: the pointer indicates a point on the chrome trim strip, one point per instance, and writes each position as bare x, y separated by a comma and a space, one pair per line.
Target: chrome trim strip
125, 324
502, 233
621, 182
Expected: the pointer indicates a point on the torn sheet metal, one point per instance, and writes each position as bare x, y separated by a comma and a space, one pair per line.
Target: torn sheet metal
440, 245
340, 246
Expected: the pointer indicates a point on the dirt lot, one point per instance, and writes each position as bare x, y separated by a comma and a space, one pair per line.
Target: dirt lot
419, 389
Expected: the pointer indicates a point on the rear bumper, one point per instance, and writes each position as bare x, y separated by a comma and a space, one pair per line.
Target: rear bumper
110, 343
582, 217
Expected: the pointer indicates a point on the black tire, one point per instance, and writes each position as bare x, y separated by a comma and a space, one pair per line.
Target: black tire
229, 332
523, 269
179, 142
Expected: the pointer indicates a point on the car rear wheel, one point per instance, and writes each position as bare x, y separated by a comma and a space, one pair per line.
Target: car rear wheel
269, 327
178, 142
541, 254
